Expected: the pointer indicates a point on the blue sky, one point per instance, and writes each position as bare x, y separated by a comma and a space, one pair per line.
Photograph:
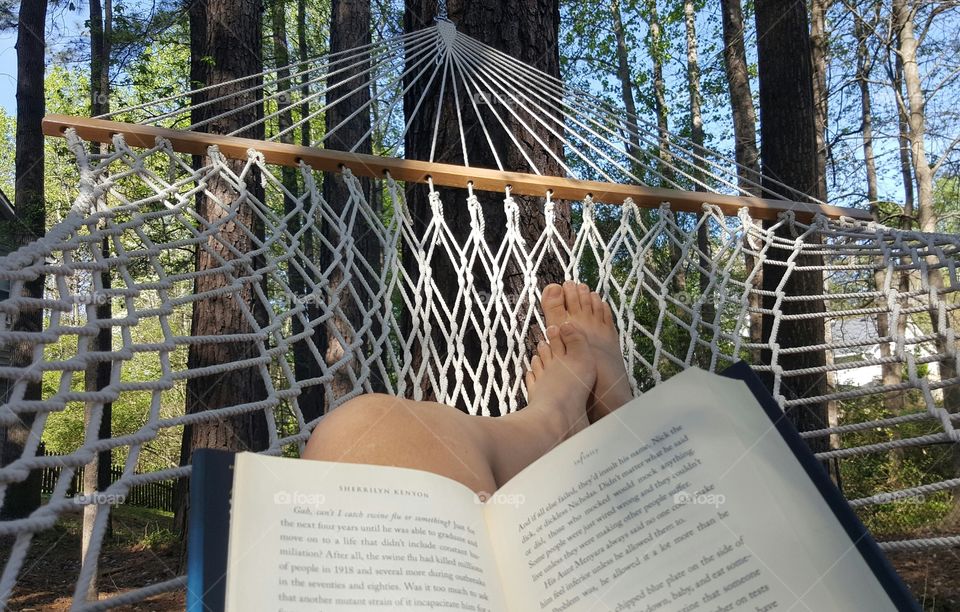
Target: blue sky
63, 27
8, 71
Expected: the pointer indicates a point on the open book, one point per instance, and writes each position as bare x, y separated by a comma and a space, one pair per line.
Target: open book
696, 496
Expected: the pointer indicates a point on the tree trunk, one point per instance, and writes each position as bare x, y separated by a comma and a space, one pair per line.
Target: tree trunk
745, 141
819, 49
24, 497
527, 30
304, 49
891, 373
708, 311
655, 46
305, 365
819, 58
225, 45
96, 474
349, 28
927, 215
626, 86
667, 178
789, 148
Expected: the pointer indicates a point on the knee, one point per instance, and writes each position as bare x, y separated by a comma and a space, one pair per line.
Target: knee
355, 419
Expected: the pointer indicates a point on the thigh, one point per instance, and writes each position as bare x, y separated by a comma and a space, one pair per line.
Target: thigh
386, 430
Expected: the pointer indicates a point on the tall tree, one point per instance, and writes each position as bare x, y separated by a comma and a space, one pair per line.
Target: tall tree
737, 70
225, 45
347, 129
304, 50
890, 372
626, 83
23, 497
819, 49
527, 30
789, 153
915, 108
657, 47
96, 475
745, 149
697, 138
305, 365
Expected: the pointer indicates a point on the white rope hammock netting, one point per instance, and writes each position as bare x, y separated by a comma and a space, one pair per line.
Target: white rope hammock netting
362, 275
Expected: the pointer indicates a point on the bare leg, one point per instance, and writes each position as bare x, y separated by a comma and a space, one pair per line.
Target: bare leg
481, 452
575, 302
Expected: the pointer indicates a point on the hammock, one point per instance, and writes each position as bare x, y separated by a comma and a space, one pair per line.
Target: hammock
354, 286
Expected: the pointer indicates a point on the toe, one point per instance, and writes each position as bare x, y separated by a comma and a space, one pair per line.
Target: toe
583, 293
571, 297
543, 349
552, 304
573, 339
531, 380
596, 304
607, 314
536, 364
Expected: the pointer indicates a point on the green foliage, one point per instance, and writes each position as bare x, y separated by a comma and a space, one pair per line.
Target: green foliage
158, 539
946, 202
869, 474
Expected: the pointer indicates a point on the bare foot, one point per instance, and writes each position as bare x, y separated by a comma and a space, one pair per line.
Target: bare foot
576, 303
559, 382
558, 385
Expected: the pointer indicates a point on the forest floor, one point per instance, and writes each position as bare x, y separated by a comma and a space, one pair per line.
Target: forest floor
143, 550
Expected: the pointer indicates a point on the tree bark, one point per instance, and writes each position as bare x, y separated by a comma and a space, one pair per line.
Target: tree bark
891, 373
96, 474
789, 148
667, 178
304, 49
655, 47
349, 28
819, 58
305, 365
926, 213
527, 30
708, 311
626, 85
745, 149
819, 50
225, 45
24, 497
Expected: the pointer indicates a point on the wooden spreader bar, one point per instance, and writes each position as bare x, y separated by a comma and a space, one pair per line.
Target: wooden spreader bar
447, 175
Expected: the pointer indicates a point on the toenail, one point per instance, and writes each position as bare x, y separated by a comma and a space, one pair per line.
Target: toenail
553, 330
552, 290
566, 328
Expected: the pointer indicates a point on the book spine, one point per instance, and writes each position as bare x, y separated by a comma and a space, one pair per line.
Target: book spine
208, 530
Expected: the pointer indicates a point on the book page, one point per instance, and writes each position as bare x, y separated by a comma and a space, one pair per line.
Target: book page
685, 499
315, 535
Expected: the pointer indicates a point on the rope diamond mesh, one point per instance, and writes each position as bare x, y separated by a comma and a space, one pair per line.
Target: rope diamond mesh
408, 337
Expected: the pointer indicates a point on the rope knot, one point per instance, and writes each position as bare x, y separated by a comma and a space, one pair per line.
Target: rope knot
550, 209
436, 206
588, 209
477, 221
